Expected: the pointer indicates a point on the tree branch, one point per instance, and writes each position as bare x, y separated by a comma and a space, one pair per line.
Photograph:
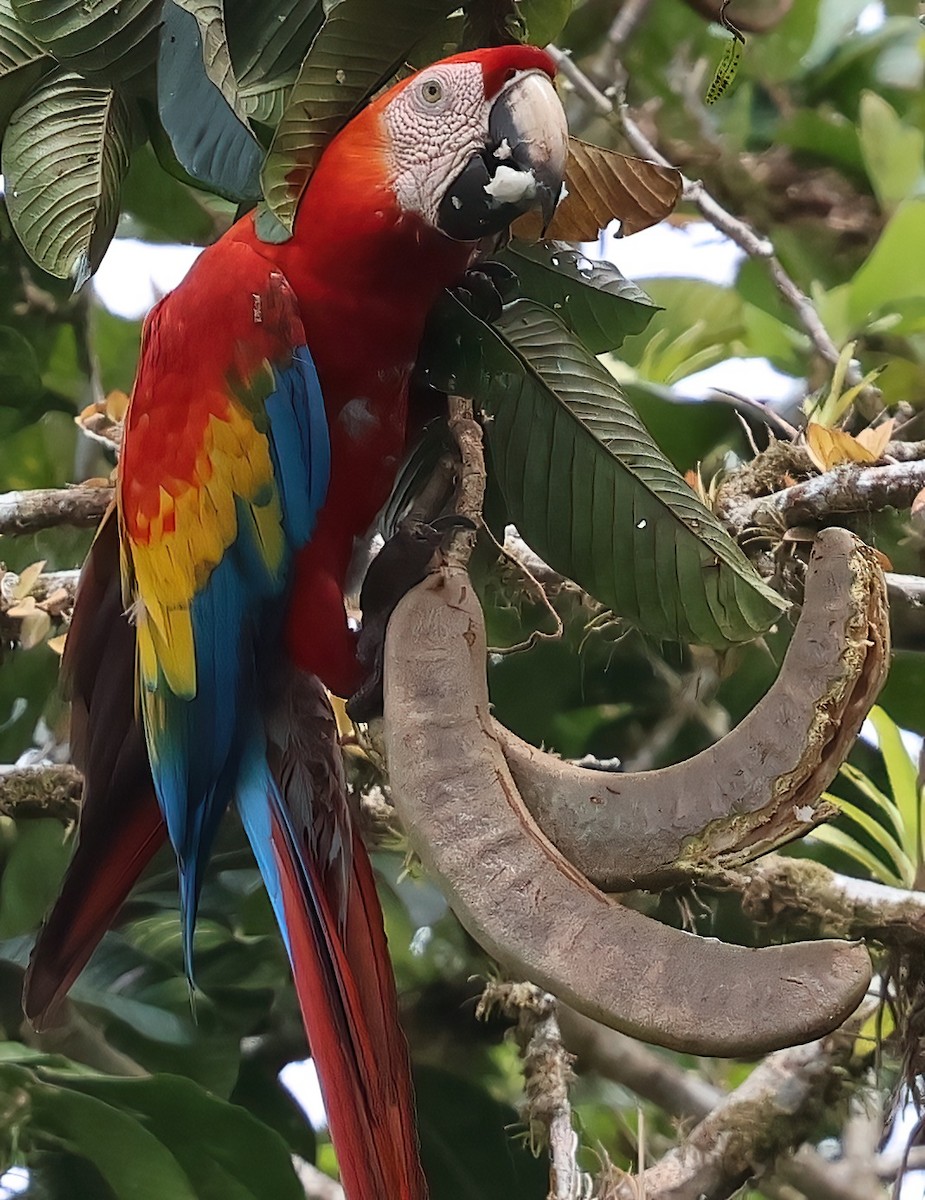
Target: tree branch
711, 210
29, 792
777, 1107
686, 1095
28, 512
547, 1075
844, 489
789, 890
317, 1185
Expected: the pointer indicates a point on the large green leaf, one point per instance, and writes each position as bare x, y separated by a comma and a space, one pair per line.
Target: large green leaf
216, 56
587, 486
545, 19
65, 154
209, 138
22, 61
592, 298
343, 67
226, 1153
894, 270
23, 396
469, 1143
133, 1162
31, 875
114, 39
894, 152
269, 41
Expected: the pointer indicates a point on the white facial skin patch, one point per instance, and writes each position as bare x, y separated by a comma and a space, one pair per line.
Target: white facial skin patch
435, 126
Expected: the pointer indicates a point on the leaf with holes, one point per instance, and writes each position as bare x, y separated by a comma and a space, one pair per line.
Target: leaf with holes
22, 61
113, 40
593, 299
65, 155
342, 68
587, 486
601, 186
269, 41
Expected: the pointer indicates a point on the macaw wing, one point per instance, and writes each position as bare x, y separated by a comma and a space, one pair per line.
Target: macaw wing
121, 825
225, 465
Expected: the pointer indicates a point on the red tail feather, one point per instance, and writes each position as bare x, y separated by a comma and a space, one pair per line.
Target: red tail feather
340, 959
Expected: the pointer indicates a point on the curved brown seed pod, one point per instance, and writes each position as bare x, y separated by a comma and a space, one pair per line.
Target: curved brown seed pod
532, 909
757, 787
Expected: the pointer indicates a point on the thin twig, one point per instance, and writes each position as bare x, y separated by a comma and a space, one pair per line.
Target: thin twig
28, 512
317, 1185
711, 210
547, 1075
607, 64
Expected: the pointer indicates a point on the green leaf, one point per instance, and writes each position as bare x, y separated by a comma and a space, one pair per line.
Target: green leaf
895, 268
836, 19
65, 154
468, 1143
825, 135
687, 431
545, 19
269, 41
113, 39
31, 875
879, 829
210, 139
226, 1153
20, 379
132, 1160
587, 486
902, 694
343, 67
894, 153
22, 61
592, 298
904, 781
849, 845
702, 324
216, 57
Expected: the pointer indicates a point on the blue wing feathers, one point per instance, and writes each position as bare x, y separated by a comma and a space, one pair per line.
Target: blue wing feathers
208, 753
299, 444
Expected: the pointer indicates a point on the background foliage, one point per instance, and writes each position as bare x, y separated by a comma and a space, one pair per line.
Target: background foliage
820, 144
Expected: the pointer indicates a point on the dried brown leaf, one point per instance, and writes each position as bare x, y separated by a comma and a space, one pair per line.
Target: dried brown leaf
56, 644
28, 578
877, 440
602, 185
33, 628
831, 447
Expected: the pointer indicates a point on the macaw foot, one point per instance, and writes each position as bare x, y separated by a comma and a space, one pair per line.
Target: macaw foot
485, 289
404, 561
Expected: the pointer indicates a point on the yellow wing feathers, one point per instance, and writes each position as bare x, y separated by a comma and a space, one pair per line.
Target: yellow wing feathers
173, 547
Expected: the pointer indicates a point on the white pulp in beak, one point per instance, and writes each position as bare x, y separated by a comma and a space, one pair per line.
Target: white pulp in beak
510, 186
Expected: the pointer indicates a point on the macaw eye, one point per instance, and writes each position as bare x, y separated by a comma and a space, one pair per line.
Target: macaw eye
432, 91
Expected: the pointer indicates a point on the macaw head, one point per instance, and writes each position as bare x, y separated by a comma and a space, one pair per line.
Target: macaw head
474, 141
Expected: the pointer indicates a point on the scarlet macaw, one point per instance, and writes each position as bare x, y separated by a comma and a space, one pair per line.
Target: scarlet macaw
265, 427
